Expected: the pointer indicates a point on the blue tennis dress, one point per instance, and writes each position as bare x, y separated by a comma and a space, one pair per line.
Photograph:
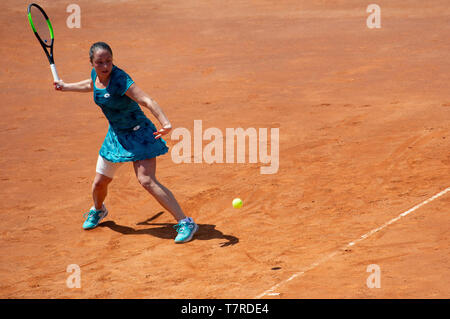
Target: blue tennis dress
130, 134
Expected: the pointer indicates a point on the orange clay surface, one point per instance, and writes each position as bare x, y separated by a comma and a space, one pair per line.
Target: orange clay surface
363, 116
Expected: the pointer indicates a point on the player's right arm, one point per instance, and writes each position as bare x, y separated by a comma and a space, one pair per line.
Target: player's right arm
82, 86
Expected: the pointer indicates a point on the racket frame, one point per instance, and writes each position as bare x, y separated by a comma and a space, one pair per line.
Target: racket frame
44, 45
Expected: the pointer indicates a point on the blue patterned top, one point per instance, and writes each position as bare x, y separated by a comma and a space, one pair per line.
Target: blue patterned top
130, 134
122, 112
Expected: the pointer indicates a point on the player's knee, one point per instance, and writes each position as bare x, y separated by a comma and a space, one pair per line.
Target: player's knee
151, 184
101, 183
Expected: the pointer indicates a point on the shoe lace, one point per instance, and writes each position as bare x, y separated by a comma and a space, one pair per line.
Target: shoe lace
90, 215
179, 227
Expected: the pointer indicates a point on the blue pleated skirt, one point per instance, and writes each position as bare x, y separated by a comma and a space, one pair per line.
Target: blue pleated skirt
132, 145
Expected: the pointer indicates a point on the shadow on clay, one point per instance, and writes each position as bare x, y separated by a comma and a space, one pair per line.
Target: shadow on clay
167, 231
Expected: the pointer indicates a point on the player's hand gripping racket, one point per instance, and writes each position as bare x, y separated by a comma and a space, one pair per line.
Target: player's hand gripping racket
43, 30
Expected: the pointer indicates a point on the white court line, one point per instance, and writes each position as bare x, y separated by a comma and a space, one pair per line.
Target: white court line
271, 291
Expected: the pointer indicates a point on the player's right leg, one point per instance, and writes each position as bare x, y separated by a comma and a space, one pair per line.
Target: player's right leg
100, 189
98, 211
104, 176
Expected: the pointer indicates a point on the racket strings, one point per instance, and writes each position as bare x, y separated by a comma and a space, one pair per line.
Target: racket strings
41, 25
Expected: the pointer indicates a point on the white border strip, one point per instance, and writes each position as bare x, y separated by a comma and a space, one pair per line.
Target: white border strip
271, 291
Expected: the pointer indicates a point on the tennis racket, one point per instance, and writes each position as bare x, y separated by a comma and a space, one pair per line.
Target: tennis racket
43, 30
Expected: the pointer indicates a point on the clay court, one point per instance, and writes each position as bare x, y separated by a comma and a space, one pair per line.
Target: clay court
363, 117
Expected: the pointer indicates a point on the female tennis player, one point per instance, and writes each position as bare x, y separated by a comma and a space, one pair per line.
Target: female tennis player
131, 137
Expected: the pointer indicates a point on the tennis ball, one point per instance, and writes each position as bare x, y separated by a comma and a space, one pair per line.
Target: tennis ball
237, 203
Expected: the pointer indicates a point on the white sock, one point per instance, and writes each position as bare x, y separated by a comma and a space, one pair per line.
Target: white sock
187, 220
102, 209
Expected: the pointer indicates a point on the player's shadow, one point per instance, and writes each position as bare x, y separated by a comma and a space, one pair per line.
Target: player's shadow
167, 231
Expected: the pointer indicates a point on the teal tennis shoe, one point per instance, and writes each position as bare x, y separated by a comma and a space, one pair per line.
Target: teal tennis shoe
94, 217
186, 229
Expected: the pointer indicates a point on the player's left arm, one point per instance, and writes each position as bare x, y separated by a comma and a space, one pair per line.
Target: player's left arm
142, 98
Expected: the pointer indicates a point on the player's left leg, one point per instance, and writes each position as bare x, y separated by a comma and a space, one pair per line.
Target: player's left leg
145, 172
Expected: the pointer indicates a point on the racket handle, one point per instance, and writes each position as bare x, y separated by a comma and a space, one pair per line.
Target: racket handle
54, 73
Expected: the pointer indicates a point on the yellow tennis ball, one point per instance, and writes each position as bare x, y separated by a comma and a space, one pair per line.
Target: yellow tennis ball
237, 203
